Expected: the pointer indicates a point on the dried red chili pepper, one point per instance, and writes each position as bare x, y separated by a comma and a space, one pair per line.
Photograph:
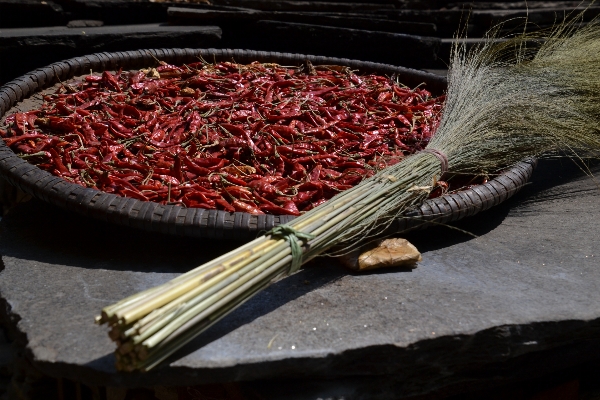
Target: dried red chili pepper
254, 138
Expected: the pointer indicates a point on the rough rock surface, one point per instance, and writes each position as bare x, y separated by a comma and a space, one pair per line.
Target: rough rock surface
521, 298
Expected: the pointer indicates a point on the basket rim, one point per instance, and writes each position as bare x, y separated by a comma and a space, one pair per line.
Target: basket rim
196, 222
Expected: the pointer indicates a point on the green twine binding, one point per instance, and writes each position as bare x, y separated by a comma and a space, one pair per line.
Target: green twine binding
292, 236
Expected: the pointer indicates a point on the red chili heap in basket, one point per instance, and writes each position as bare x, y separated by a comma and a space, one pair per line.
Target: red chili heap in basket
258, 138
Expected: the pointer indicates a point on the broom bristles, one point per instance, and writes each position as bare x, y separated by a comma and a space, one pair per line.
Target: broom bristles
509, 100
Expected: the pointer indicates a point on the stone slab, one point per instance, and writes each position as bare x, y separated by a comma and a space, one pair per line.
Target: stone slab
319, 6
522, 5
22, 13
38, 47
183, 15
521, 298
449, 21
415, 51
16, 36
32, 13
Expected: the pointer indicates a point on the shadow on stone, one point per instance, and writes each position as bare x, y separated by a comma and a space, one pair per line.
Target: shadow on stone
316, 275
42, 232
547, 175
268, 300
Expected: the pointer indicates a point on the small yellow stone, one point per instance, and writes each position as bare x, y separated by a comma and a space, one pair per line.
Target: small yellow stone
395, 252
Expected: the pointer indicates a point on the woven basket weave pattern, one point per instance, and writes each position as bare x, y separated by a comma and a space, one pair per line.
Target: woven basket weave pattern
217, 224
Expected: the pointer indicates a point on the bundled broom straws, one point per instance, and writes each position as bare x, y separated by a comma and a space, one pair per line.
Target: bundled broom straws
505, 102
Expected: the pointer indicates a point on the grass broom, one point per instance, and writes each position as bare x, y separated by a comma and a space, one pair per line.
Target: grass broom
505, 101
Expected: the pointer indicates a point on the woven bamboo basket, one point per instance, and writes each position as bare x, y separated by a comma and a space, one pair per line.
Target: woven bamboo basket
218, 224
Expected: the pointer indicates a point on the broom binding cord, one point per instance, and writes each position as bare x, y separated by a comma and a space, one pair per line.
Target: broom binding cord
292, 236
440, 156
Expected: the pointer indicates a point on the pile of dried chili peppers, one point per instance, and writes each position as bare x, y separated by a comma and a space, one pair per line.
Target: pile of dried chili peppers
257, 138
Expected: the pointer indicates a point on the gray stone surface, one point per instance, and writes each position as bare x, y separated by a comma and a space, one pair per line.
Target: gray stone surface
14, 36
521, 298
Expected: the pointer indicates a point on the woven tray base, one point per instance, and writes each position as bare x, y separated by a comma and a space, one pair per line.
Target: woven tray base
195, 222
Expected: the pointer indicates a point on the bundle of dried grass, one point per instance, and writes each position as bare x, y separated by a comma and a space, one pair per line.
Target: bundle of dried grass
505, 102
